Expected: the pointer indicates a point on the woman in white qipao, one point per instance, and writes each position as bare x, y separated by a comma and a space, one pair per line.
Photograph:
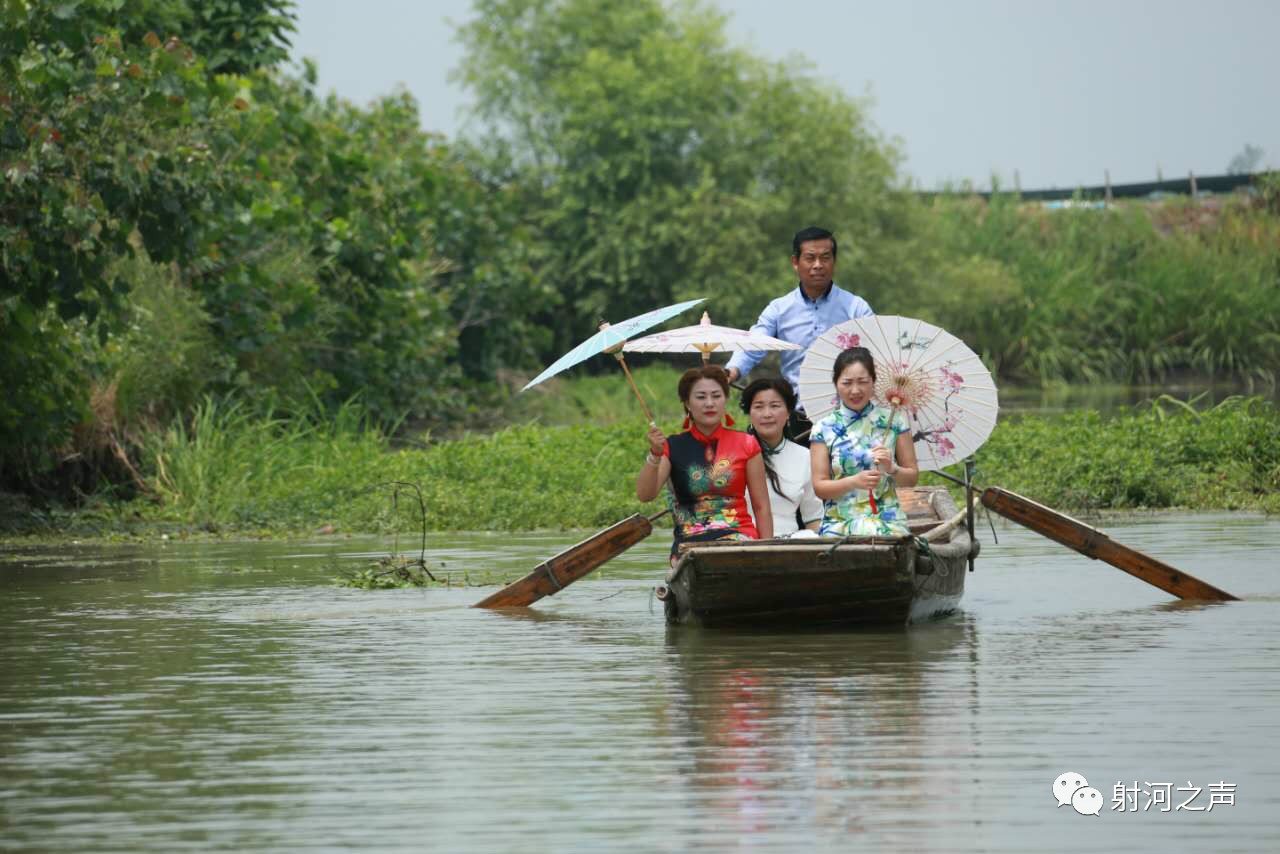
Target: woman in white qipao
768, 403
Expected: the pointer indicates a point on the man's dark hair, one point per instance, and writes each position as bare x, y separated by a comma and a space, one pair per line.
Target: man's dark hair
804, 235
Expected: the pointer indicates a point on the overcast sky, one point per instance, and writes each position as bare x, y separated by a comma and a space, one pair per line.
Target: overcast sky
1059, 91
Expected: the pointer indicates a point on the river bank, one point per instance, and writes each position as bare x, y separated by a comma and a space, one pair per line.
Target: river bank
229, 472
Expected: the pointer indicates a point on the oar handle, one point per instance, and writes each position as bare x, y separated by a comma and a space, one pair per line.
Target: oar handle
1091, 542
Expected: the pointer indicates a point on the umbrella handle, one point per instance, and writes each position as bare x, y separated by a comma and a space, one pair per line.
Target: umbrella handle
893, 411
623, 362
871, 493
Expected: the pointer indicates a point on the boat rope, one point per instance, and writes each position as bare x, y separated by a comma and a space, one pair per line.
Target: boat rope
857, 540
977, 489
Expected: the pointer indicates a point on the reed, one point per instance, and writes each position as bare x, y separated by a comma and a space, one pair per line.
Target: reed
226, 469
1135, 293
226, 466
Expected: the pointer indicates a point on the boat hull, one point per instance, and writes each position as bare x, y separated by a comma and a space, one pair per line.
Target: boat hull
825, 582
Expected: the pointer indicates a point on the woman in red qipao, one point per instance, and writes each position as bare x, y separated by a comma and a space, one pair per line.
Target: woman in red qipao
709, 468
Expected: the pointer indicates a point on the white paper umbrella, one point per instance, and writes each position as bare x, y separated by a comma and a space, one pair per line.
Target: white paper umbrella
706, 339
929, 374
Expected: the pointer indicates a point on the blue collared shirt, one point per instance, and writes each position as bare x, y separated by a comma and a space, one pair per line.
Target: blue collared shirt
799, 320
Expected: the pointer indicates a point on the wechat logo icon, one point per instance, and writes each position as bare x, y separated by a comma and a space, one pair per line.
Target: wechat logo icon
1072, 788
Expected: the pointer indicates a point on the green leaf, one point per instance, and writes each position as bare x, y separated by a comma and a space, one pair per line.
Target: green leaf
65, 10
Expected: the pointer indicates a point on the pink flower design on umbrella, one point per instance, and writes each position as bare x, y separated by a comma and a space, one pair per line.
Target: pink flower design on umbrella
950, 377
927, 378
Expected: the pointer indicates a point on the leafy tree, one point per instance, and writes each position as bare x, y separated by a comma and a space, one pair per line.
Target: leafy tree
103, 133
353, 253
102, 149
1246, 161
152, 144
657, 161
237, 36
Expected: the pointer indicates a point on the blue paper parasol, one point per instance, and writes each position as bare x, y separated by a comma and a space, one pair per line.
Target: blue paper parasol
612, 337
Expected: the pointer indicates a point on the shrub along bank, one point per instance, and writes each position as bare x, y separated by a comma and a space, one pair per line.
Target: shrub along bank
229, 470
182, 215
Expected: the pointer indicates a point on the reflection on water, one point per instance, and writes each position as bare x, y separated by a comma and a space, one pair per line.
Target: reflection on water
788, 734
226, 695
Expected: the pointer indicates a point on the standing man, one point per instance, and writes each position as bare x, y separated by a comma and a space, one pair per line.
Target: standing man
805, 313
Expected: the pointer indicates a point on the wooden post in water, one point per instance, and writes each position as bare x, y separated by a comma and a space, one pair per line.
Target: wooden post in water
1107, 175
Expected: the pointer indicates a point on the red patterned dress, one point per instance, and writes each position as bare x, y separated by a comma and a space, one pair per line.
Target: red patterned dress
709, 485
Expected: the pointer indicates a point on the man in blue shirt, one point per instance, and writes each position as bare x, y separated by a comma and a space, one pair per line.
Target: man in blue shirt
805, 313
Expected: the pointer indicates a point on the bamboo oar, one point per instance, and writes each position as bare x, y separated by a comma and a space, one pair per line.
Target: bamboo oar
1091, 542
557, 573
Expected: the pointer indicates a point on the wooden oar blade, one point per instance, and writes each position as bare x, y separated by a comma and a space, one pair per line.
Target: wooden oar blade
550, 577
1091, 542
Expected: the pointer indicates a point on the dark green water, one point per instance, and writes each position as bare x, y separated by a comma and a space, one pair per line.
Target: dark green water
226, 696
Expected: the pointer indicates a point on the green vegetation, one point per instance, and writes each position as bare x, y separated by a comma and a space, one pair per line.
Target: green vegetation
397, 572
1131, 294
1166, 454
232, 471
658, 162
204, 261
176, 223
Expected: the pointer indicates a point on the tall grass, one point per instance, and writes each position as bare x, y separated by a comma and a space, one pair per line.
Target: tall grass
1133, 293
227, 466
230, 469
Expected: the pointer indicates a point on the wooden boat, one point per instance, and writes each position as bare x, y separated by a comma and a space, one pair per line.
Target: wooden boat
828, 581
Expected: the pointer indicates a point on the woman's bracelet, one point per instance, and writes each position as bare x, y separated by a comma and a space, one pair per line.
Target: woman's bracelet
650, 459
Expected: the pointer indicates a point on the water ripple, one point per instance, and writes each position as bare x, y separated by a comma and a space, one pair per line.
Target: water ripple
228, 696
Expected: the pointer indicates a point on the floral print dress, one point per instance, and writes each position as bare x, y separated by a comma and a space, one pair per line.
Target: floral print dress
849, 436
709, 485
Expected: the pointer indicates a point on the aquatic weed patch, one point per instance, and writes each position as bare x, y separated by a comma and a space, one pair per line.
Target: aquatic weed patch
268, 475
395, 572
1165, 455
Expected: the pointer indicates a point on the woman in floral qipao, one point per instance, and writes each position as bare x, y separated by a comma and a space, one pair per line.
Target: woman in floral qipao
859, 455
709, 468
